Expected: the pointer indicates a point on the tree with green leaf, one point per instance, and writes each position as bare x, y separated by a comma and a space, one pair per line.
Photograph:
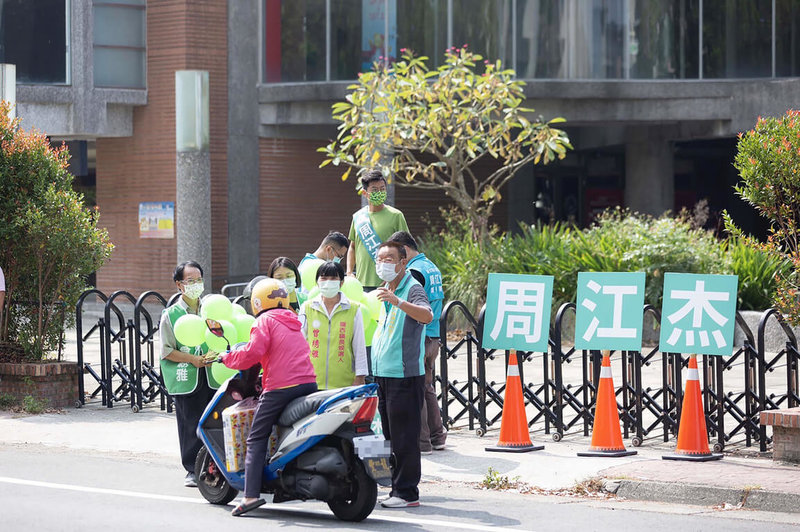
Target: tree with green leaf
768, 161
429, 129
49, 240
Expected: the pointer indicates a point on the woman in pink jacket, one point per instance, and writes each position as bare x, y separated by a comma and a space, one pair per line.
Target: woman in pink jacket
277, 342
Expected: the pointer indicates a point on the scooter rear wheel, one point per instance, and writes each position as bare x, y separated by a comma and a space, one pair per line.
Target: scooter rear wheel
210, 481
361, 500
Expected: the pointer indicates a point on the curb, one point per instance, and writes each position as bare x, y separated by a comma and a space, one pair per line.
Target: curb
700, 495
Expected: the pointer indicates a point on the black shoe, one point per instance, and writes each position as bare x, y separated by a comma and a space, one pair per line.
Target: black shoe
190, 481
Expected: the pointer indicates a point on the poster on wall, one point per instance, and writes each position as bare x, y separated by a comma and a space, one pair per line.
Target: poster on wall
373, 31
157, 219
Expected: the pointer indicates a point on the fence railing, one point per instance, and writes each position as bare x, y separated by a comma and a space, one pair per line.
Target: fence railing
559, 386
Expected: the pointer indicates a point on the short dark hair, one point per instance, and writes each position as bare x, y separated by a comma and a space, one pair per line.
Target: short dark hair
370, 177
330, 269
335, 238
283, 262
401, 251
404, 238
177, 275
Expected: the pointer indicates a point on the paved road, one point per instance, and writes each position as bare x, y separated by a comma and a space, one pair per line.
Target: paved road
51, 488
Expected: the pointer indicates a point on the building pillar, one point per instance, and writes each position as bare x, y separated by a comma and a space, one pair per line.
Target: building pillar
243, 156
193, 169
649, 176
8, 87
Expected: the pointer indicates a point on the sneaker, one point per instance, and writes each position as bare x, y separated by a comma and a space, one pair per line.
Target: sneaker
439, 447
385, 497
397, 502
190, 481
426, 452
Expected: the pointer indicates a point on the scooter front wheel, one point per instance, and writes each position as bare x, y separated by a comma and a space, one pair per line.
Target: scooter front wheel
361, 499
210, 481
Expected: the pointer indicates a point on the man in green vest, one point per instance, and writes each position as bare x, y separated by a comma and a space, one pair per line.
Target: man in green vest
334, 328
371, 225
398, 365
183, 368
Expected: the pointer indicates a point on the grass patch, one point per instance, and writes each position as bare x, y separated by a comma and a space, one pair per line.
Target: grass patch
32, 405
495, 481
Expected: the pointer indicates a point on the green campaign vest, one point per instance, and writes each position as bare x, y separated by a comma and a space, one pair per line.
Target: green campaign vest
181, 378
331, 343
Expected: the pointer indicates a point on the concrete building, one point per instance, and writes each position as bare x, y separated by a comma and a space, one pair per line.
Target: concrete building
654, 93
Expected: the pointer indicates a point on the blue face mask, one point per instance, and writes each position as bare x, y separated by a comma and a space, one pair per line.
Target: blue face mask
337, 260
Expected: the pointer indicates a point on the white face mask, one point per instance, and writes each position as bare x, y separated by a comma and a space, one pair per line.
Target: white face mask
193, 291
328, 289
386, 271
290, 283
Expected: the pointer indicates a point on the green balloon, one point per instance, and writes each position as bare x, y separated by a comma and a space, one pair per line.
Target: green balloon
372, 304
189, 330
238, 310
243, 325
308, 273
313, 293
221, 373
353, 289
221, 344
369, 331
216, 307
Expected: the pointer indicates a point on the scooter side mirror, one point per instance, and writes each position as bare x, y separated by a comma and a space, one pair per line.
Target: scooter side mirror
216, 328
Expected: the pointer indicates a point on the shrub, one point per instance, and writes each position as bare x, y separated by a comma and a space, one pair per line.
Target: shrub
49, 242
768, 160
619, 241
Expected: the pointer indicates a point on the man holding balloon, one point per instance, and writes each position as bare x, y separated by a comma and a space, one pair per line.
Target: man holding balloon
183, 365
188, 348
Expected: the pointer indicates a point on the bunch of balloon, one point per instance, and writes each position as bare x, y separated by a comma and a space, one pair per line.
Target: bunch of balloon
308, 274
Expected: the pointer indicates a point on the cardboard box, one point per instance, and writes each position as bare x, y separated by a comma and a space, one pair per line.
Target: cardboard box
236, 422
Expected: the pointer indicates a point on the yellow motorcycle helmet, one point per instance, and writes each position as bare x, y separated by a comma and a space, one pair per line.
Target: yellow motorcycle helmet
268, 294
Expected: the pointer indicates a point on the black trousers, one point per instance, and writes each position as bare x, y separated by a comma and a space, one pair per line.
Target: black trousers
400, 405
188, 411
270, 406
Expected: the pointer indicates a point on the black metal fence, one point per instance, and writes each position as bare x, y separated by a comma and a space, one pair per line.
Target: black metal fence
559, 386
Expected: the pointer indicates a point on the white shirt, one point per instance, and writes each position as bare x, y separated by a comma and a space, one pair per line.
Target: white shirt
2, 281
359, 344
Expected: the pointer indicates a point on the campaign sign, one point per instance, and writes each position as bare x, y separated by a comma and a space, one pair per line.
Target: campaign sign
609, 310
698, 315
518, 312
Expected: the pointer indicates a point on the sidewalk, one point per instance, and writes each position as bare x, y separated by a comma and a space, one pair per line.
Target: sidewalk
755, 483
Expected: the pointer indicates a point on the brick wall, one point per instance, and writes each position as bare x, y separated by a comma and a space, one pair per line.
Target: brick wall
298, 201
56, 383
181, 35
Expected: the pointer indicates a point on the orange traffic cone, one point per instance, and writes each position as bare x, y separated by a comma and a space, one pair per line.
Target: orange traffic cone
514, 435
606, 434
692, 433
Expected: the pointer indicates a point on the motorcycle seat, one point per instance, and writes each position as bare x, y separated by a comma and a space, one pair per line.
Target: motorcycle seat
303, 406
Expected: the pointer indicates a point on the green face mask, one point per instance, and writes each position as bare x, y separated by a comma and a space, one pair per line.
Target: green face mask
377, 197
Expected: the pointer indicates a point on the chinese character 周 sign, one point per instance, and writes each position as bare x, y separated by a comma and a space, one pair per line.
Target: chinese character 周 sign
518, 312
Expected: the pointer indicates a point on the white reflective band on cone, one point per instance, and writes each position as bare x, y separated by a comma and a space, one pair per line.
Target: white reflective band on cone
605, 372
513, 371
693, 375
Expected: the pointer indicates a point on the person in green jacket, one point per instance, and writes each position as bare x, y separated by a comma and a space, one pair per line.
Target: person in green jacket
183, 368
334, 328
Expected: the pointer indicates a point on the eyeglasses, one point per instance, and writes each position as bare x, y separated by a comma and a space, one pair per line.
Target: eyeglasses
190, 282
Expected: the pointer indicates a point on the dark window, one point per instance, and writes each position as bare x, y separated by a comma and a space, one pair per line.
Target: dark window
33, 36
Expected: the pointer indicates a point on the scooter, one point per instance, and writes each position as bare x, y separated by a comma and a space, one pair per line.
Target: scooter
325, 448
